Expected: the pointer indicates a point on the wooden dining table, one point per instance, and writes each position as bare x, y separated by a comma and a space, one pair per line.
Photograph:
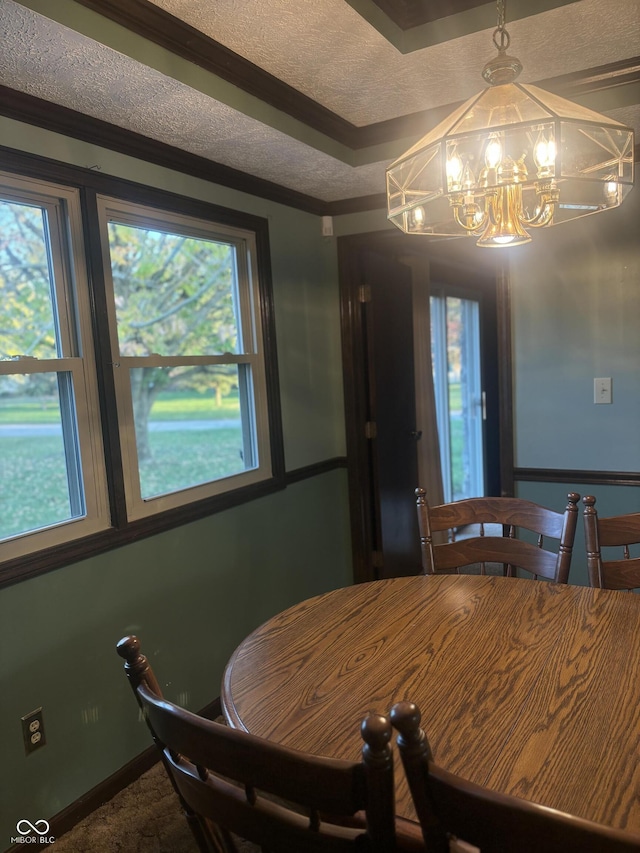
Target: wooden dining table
525, 687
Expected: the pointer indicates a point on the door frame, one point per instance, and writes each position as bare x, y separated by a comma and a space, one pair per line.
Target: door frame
362, 501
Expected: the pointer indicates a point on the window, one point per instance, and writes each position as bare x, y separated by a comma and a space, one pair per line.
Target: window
52, 479
138, 374
187, 355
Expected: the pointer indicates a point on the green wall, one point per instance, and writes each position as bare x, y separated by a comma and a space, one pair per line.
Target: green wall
194, 592
576, 315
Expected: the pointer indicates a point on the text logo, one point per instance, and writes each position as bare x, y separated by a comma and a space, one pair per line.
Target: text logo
32, 833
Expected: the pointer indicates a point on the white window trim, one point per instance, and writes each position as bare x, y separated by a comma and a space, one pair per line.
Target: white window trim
68, 258
118, 210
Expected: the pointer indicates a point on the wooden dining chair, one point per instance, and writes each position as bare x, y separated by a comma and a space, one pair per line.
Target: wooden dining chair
481, 532
620, 532
456, 814
229, 781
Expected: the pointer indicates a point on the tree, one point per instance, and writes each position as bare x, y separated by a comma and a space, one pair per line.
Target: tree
174, 296
27, 319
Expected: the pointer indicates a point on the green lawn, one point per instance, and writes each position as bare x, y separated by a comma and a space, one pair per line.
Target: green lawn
456, 439
170, 406
29, 410
189, 406
34, 491
455, 397
197, 456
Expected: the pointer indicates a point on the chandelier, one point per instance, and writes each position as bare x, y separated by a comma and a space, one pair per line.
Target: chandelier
512, 158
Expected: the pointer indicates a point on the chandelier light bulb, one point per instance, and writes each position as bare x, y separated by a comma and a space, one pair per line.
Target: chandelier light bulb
544, 153
493, 153
468, 183
611, 191
454, 171
418, 216
512, 158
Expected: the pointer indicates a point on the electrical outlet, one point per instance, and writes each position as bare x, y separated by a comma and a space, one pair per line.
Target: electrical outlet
33, 731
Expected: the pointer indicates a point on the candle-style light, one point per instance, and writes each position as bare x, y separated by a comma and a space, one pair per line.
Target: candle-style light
512, 158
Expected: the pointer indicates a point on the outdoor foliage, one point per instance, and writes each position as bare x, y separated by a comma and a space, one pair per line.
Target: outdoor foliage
174, 296
26, 320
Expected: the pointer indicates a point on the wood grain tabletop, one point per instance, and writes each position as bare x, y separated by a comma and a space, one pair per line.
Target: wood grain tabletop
526, 687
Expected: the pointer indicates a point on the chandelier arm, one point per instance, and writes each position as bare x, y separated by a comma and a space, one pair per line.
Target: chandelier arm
473, 228
493, 194
548, 197
543, 217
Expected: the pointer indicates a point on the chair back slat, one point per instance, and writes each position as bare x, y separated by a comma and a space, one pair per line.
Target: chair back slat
619, 530
493, 549
231, 781
324, 784
515, 512
615, 571
510, 548
266, 822
449, 806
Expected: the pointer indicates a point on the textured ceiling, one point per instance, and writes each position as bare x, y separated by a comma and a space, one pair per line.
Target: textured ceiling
330, 53
326, 51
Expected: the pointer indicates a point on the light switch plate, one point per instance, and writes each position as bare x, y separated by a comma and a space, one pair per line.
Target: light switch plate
602, 390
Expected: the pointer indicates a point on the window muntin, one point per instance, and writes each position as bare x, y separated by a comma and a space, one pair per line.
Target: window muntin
52, 478
184, 305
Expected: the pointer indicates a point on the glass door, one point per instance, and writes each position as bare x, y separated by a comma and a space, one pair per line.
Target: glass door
457, 378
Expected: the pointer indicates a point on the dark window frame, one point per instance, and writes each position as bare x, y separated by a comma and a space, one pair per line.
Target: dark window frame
90, 184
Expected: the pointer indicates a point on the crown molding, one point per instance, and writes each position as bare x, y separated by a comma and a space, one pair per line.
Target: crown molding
153, 23
40, 113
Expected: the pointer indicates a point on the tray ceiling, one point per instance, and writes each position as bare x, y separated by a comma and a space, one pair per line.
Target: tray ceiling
314, 98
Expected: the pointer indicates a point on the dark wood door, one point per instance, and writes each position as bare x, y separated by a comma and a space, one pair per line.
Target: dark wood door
378, 371
388, 323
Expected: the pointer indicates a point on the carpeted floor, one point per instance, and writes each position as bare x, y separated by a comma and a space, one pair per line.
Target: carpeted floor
144, 818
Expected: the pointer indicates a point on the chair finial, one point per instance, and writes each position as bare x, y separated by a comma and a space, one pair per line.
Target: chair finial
376, 732
405, 717
129, 649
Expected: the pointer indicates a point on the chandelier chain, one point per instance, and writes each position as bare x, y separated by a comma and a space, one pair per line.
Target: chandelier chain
501, 37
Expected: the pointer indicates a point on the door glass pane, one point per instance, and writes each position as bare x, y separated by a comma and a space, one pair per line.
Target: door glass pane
441, 387
39, 468
465, 397
455, 351
26, 283
189, 426
174, 295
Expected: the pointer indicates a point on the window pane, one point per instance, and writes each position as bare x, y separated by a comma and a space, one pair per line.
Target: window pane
188, 425
28, 322
174, 295
455, 353
465, 397
39, 468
